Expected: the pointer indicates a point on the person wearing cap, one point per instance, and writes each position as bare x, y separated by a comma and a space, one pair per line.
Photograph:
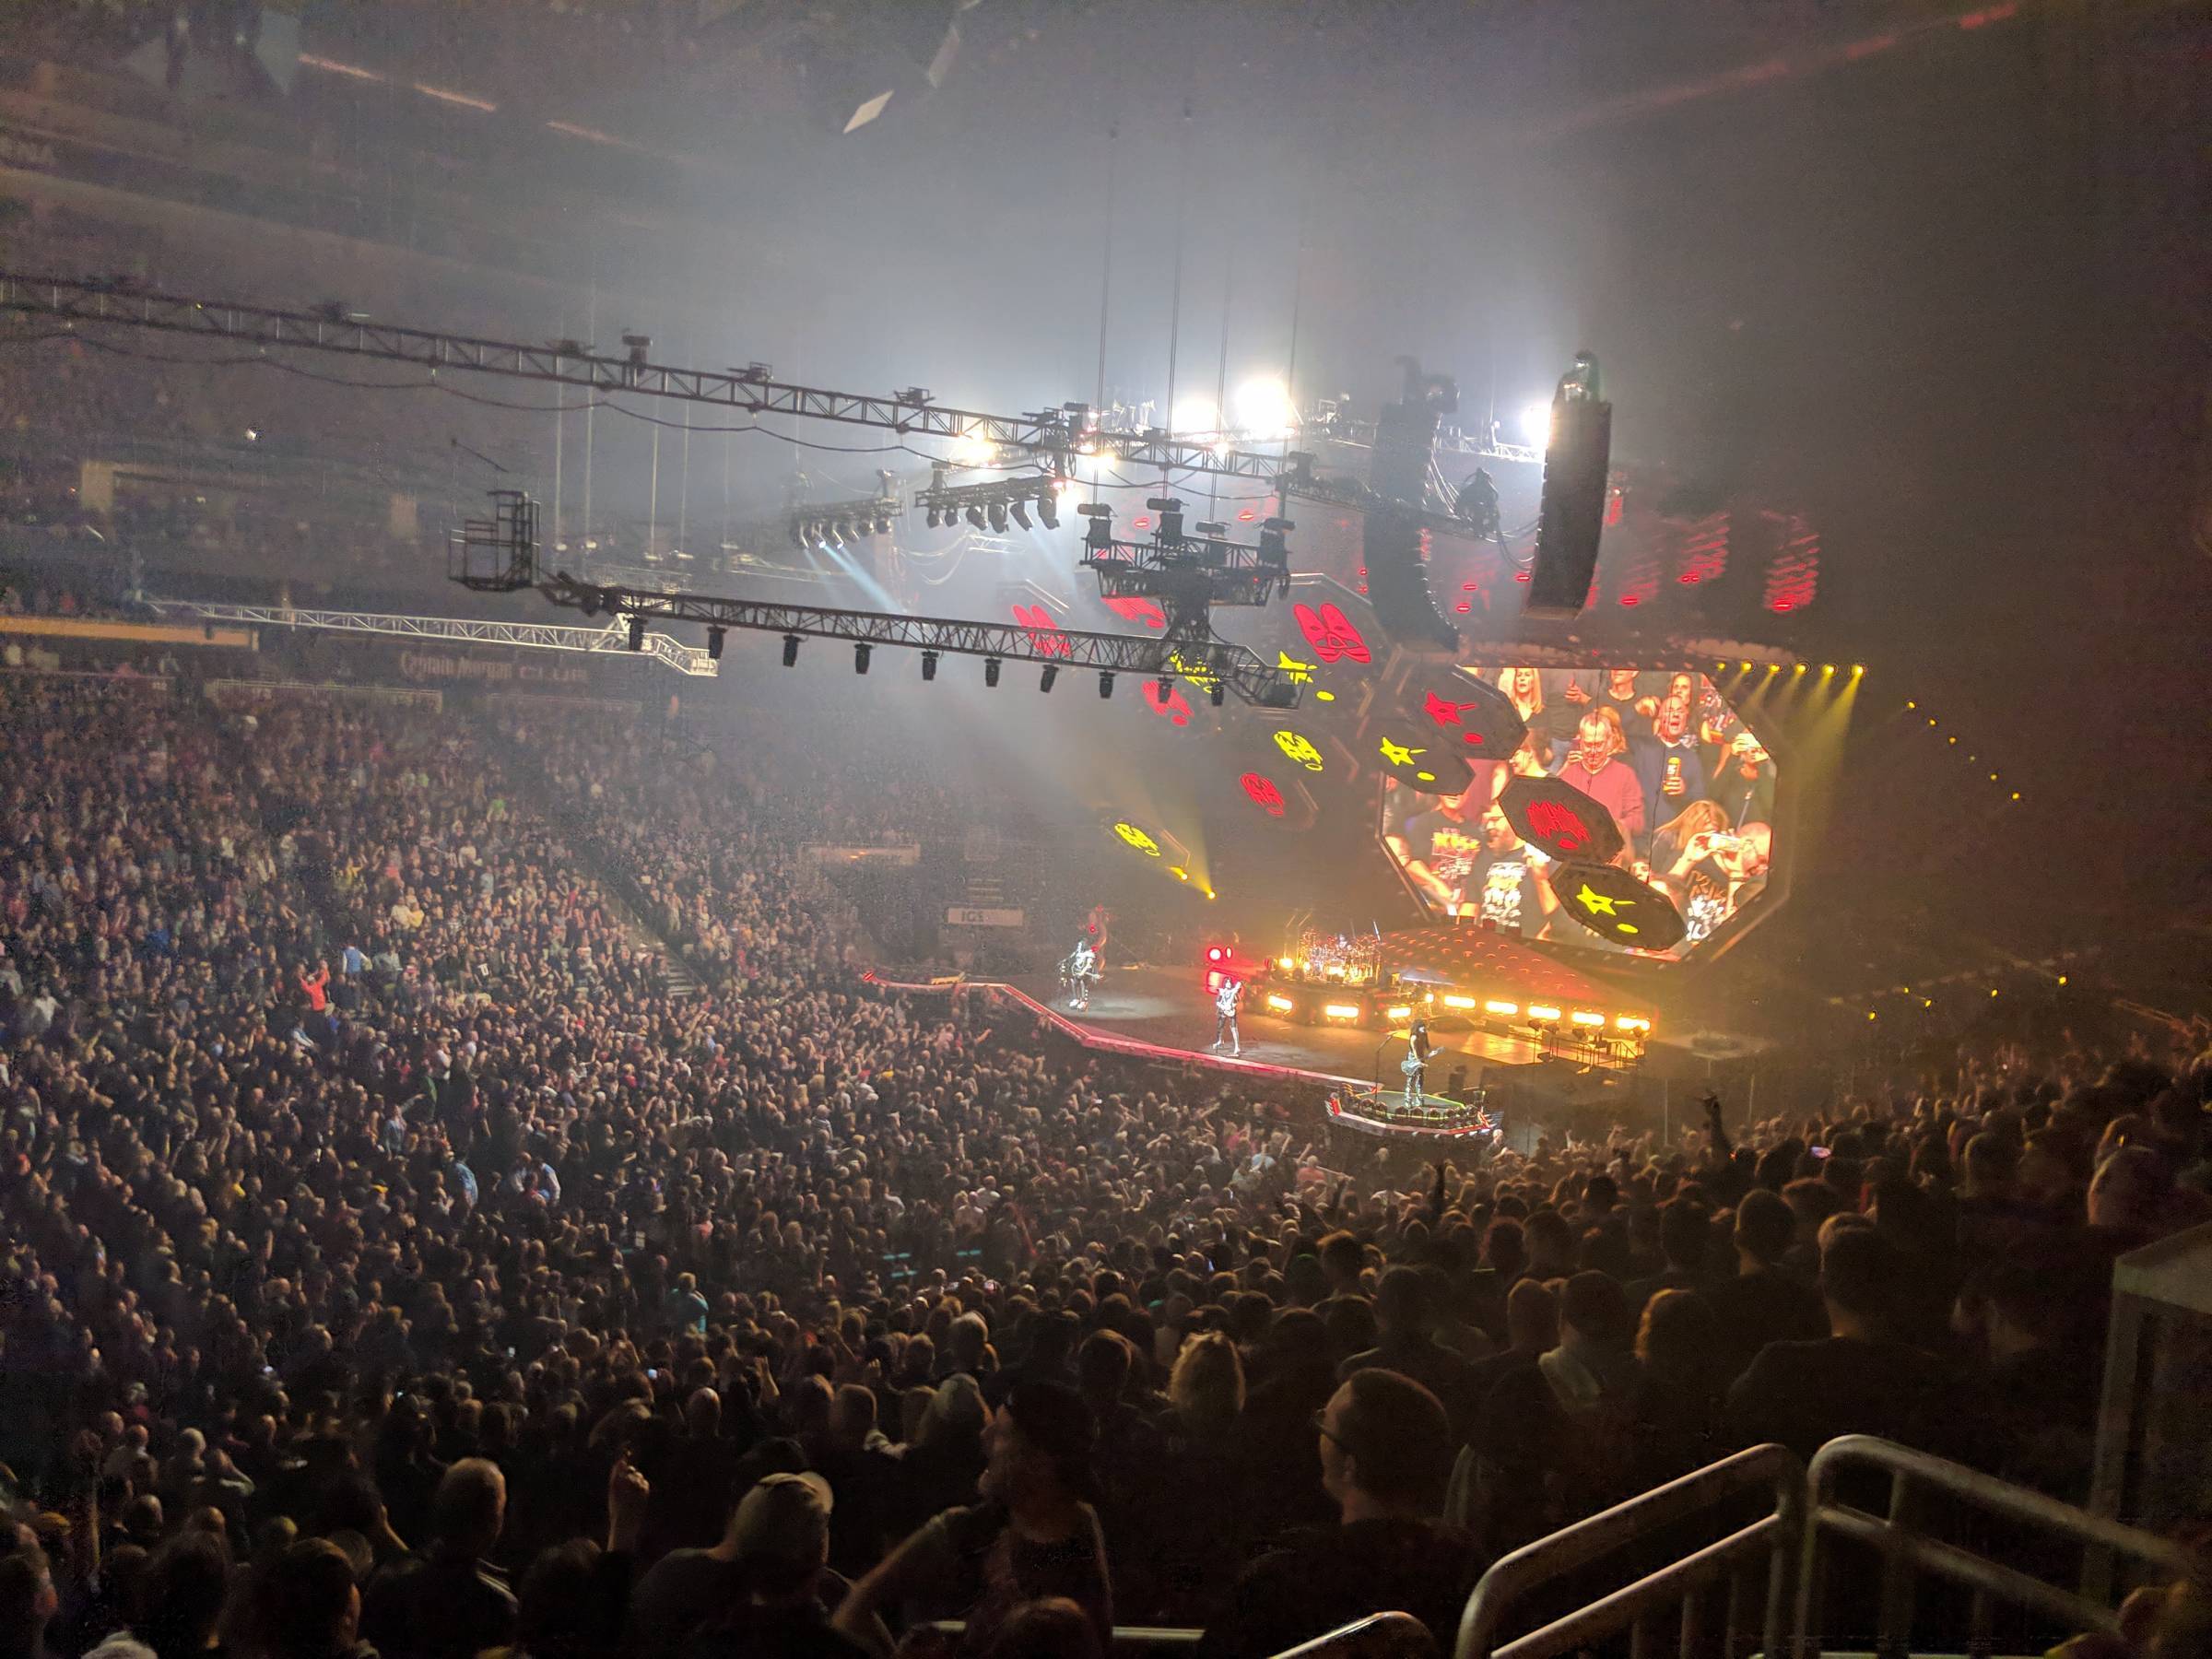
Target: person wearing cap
1385, 1453
1034, 1534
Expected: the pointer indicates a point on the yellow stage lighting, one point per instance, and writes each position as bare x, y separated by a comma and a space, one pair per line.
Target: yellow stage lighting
1537, 1011
1280, 1004
1506, 1008
1454, 1000
1583, 1018
1341, 1010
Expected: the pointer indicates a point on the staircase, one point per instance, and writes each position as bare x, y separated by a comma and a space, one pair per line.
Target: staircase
625, 898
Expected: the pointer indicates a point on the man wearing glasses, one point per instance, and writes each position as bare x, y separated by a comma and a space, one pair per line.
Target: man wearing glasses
1386, 1449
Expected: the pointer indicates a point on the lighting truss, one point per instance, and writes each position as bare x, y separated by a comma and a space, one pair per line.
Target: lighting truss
1187, 572
1204, 661
460, 630
1350, 492
948, 502
870, 515
497, 554
1067, 434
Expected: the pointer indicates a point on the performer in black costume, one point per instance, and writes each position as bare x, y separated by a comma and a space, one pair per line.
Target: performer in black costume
1416, 1064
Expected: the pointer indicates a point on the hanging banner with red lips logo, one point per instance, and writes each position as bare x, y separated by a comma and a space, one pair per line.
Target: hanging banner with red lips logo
1331, 634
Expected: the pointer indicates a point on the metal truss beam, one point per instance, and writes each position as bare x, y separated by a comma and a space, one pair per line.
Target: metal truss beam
1360, 434
1063, 433
1346, 492
1217, 572
535, 636
952, 498
1205, 662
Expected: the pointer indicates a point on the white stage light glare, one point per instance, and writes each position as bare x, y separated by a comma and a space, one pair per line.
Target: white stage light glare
1195, 414
1535, 421
972, 449
1264, 408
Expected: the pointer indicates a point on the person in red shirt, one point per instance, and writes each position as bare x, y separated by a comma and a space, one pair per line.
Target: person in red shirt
1597, 769
313, 985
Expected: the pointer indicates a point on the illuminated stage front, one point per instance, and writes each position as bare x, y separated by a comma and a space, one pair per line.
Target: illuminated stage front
1164, 1015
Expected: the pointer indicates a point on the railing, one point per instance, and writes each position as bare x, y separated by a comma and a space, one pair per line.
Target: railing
1127, 1639
1685, 1584
1907, 1552
1378, 1636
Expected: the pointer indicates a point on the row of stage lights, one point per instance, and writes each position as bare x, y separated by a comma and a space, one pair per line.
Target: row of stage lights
1951, 740
993, 510
863, 654
1533, 1013
837, 532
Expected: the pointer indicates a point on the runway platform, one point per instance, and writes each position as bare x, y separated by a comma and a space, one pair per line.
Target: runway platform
1164, 1014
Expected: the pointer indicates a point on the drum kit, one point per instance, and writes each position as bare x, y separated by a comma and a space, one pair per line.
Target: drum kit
1321, 958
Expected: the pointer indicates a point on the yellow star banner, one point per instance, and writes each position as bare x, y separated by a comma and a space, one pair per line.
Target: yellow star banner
1418, 765
1613, 904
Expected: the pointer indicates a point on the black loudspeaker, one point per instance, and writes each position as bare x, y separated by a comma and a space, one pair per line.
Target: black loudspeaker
1397, 579
1573, 514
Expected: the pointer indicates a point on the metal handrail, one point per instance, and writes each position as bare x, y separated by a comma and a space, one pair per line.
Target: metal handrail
1378, 1636
1125, 1637
1679, 1583
1906, 1552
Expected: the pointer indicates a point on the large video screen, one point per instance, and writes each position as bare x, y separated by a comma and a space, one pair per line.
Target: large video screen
1689, 784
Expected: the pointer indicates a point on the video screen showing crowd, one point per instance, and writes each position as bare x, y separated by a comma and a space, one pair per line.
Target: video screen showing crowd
1689, 784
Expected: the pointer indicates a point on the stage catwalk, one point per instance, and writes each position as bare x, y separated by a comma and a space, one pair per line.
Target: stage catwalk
1166, 1013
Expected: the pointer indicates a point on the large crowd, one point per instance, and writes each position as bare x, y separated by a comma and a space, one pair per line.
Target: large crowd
392, 1261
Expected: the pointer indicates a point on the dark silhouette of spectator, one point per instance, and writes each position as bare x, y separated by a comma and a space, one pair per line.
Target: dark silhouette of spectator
1762, 1303
1862, 1378
1385, 1446
1033, 1536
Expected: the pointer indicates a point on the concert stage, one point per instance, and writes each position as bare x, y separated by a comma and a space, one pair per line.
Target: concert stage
1165, 1013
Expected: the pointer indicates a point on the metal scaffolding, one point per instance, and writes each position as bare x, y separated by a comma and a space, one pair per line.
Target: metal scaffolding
1066, 432
535, 636
1207, 663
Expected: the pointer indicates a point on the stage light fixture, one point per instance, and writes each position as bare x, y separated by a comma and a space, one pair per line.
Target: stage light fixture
998, 517
929, 665
936, 519
591, 606
861, 653
991, 671
1052, 673
637, 631
715, 639
1167, 689
1106, 682
798, 535
1048, 508
1219, 695
790, 649
975, 516
1021, 514
1263, 409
